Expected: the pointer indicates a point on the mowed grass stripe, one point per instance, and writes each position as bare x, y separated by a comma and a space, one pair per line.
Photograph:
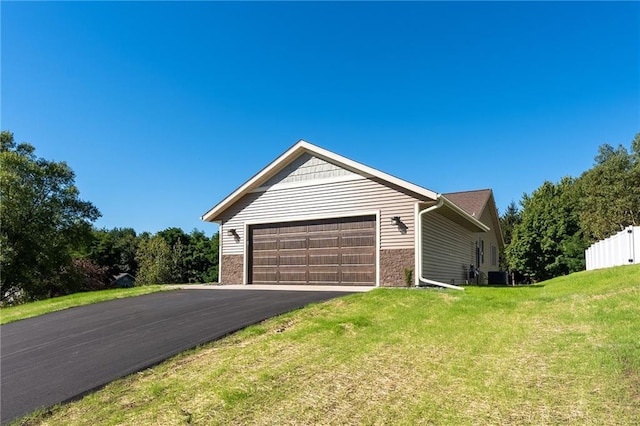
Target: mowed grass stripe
562, 352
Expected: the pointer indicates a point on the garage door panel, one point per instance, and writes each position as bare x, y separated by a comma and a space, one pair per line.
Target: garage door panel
265, 276
260, 231
292, 244
357, 241
324, 259
265, 260
357, 278
324, 242
293, 260
265, 245
368, 259
323, 227
289, 276
322, 277
357, 224
335, 251
292, 229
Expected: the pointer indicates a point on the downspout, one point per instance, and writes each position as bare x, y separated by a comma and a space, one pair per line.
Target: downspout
420, 253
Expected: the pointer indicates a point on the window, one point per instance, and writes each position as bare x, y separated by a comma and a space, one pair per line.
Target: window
494, 255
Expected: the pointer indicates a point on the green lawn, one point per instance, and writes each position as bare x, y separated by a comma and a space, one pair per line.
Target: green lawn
27, 310
566, 351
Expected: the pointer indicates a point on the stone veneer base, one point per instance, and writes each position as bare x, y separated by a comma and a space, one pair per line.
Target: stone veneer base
232, 269
393, 262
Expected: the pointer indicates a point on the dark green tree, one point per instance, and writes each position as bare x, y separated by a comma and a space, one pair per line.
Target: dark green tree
194, 256
43, 221
508, 221
173, 235
548, 242
114, 249
202, 257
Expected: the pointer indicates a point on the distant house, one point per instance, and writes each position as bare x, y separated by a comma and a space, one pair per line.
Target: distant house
123, 280
314, 217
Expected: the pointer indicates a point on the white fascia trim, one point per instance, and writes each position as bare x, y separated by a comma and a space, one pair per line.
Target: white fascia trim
303, 183
295, 150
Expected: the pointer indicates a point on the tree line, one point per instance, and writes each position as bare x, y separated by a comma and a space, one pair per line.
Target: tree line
49, 246
547, 236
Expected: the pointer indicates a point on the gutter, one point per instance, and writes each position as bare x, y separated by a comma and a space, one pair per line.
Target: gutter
441, 202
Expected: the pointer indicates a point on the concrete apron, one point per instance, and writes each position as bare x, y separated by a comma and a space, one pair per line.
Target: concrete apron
281, 287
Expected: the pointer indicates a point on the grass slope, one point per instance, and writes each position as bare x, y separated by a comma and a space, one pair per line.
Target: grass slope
28, 310
565, 351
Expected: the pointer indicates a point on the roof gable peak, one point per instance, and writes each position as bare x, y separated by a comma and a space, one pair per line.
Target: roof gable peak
295, 151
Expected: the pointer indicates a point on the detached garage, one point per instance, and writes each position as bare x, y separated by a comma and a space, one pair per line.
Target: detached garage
314, 217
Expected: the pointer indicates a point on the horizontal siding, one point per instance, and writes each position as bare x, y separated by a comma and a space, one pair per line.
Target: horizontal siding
327, 200
448, 249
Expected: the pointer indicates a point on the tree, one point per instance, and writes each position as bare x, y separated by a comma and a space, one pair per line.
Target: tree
87, 276
179, 273
154, 261
43, 222
610, 191
508, 221
548, 242
194, 256
201, 259
114, 249
635, 149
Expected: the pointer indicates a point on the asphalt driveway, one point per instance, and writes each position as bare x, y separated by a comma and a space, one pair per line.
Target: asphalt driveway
62, 355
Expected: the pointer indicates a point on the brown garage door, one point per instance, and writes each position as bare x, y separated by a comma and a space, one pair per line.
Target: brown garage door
331, 251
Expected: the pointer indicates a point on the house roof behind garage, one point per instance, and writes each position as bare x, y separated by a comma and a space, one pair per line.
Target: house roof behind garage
472, 202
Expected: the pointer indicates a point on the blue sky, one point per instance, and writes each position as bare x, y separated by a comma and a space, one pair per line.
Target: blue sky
162, 109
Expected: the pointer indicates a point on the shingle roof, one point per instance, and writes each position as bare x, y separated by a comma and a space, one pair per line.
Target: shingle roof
472, 202
124, 274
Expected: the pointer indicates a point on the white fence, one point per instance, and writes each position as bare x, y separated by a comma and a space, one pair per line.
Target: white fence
622, 248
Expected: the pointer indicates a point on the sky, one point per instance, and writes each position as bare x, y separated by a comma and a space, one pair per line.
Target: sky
162, 109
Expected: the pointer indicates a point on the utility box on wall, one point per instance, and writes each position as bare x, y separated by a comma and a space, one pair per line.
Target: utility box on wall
622, 248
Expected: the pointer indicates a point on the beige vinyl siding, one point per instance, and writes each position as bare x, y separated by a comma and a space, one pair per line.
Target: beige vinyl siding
327, 200
448, 249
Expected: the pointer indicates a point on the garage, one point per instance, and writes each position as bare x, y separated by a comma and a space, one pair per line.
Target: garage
328, 251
